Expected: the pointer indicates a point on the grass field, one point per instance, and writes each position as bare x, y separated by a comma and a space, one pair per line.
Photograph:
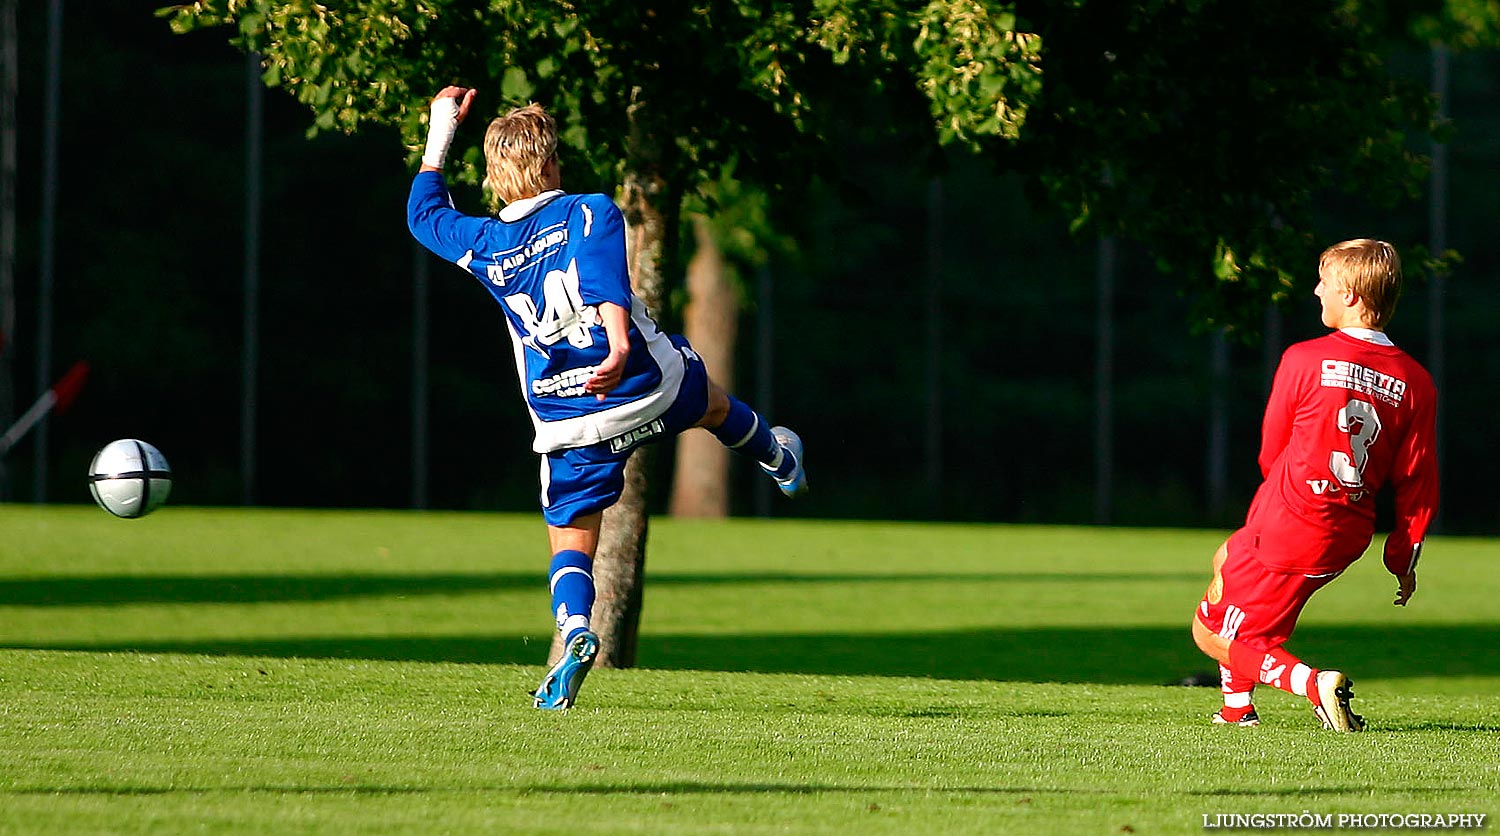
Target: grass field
209, 670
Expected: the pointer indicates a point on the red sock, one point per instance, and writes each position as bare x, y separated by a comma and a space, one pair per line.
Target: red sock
1236, 689
1234, 715
1274, 667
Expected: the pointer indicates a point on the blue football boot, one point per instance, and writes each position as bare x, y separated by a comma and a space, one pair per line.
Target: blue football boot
560, 687
795, 483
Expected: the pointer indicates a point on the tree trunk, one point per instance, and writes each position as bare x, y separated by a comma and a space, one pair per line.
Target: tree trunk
700, 480
620, 564
620, 568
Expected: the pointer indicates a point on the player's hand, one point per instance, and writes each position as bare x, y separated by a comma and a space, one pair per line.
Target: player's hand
464, 95
1406, 587
607, 375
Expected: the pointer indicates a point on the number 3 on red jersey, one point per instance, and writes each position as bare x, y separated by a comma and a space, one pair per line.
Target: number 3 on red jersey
1358, 420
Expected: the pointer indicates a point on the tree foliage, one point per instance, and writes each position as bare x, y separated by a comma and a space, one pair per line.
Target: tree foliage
680, 88
1210, 131
1207, 130
1458, 24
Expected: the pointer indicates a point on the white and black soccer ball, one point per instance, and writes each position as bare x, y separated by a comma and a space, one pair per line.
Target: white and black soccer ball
129, 478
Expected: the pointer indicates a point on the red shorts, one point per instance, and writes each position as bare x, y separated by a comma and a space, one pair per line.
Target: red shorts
1249, 603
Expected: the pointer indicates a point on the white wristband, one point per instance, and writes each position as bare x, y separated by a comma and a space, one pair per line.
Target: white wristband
440, 129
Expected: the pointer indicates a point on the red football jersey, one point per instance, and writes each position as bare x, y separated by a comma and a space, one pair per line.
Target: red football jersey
1346, 416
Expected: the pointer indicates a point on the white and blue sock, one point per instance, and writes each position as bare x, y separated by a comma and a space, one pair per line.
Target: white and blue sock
572, 584
746, 432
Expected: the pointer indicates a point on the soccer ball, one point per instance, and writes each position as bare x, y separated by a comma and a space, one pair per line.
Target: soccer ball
130, 478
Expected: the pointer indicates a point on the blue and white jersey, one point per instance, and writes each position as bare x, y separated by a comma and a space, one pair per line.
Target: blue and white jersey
550, 261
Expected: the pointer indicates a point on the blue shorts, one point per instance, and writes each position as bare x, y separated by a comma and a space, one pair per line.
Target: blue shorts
577, 481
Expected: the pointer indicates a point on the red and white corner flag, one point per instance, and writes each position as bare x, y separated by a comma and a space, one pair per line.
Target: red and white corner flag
59, 397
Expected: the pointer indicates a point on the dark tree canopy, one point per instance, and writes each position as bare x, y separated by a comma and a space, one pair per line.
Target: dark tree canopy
1206, 130
681, 88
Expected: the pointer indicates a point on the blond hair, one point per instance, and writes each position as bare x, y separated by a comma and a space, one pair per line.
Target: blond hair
1369, 268
517, 147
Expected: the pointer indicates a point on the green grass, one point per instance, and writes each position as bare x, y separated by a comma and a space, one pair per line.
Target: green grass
321, 672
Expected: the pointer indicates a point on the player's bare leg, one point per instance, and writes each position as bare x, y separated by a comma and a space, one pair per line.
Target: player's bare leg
580, 535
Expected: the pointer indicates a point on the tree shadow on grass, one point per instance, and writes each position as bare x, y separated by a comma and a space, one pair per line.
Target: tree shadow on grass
1102, 654
119, 590
1105, 655
1112, 655
113, 590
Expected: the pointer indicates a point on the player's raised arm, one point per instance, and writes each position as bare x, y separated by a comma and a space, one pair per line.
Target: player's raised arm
449, 108
430, 215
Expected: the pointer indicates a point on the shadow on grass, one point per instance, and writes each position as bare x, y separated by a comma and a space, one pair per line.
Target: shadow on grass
104, 590
1112, 655
95, 590
1136, 655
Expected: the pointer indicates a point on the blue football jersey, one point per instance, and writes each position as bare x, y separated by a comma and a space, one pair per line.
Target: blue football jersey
550, 261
